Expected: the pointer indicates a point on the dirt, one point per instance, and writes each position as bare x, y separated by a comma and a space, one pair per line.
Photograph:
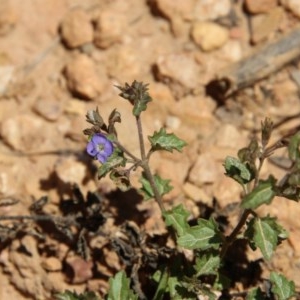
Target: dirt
60, 58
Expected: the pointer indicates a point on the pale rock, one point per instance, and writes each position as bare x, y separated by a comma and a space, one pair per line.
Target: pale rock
232, 51
205, 170
70, 170
265, 25
52, 264
76, 28
174, 8
205, 10
8, 17
258, 7
195, 193
229, 136
110, 26
180, 68
83, 79
226, 191
293, 6
23, 132
209, 36
48, 109
193, 110
76, 107
6, 75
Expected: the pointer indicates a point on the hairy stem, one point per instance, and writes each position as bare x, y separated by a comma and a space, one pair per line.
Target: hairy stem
146, 167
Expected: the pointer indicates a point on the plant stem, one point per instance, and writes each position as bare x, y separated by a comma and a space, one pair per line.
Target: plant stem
146, 167
231, 238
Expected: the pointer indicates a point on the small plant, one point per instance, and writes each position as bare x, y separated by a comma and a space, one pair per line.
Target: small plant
173, 275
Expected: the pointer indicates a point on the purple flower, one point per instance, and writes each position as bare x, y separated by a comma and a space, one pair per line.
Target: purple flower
100, 147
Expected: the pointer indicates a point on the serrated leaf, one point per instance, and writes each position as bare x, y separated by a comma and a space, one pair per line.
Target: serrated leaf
255, 294
163, 186
177, 217
265, 236
237, 170
141, 104
262, 194
68, 295
207, 263
203, 236
115, 160
162, 140
282, 287
119, 288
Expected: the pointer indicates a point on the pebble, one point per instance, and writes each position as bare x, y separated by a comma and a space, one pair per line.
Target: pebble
258, 7
82, 269
293, 6
205, 170
6, 75
110, 26
172, 9
76, 28
205, 10
70, 170
170, 67
8, 17
49, 110
20, 132
83, 80
209, 36
52, 264
226, 191
266, 25
195, 193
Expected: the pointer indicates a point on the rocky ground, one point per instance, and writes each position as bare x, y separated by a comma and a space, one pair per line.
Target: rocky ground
59, 58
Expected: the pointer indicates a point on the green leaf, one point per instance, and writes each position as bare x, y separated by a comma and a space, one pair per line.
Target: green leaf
237, 170
68, 295
177, 217
282, 287
255, 294
264, 233
162, 284
293, 147
203, 236
262, 194
162, 140
119, 288
207, 263
115, 160
163, 186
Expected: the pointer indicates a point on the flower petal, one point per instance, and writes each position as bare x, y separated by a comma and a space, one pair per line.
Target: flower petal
91, 149
102, 158
98, 139
108, 148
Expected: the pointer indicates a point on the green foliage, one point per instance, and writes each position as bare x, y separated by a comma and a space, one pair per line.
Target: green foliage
119, 288
265, 234
255, 294
163, 186
177, 217
263, 193
68, 295
162, 140
283, 288
207, 263
182, 278
137, 94
203, 236
237, 170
